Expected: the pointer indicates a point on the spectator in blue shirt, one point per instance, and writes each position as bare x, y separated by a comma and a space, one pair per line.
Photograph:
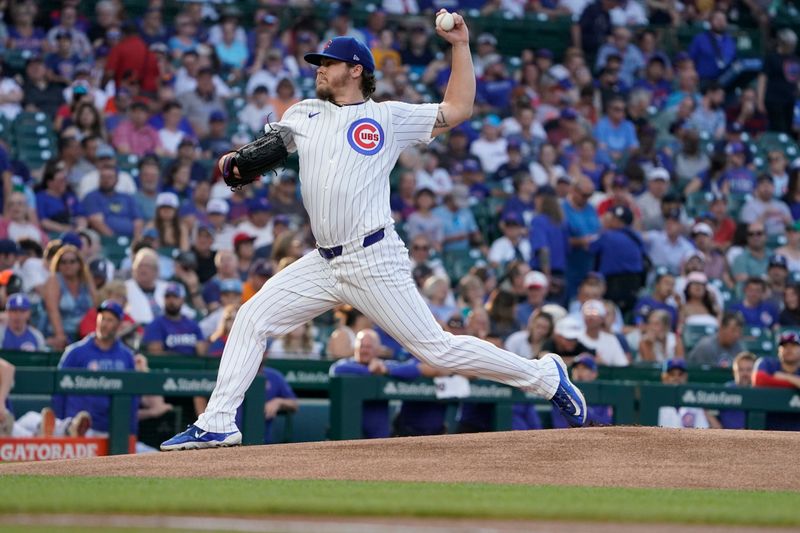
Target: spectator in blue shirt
112, 213
620, 254
583, 225
756, 310
549, 237
493, 92
738, 179
631, 58
742, 368
708, 116
101, 351
16, 334
615, 134
459, 223
280, 398
56, 205
172, 332
365, 362
663, 292
655, 81
713, 50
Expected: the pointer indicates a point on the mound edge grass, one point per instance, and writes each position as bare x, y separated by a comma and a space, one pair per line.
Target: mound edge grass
254, 497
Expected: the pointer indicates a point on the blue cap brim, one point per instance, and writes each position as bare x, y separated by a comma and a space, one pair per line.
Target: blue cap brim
316, 59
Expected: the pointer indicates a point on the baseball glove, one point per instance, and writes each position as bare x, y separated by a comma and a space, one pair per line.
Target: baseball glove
255, 159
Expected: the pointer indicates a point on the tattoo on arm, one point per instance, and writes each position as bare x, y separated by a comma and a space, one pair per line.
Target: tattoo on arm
441, 121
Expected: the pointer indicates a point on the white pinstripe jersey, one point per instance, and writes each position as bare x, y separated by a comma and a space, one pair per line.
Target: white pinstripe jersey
346, 154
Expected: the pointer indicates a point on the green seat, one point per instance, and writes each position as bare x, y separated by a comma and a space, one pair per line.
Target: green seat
697, 202
128, 163
115, 248
458, 263
760, 341
692, 334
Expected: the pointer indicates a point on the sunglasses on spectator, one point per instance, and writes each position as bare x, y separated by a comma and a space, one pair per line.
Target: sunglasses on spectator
755, 233
420, 247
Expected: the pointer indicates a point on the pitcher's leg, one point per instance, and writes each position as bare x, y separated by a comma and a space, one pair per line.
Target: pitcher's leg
389, 297
298, 293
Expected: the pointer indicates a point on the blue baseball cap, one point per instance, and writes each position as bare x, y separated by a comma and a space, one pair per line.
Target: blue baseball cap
255, 205
18, 302
345, 49
70, 237
672, 364
7, 246
513, 218
175, 289
586, 360
230, 285
112, 307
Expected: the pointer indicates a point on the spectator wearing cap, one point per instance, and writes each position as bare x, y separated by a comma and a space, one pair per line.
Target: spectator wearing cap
284, 198
259, 222
112, 290
216, 142
460, 228
17, 224
618, 194
791, 250
258, 109
100, 271
754, 260
781, 372
131, 61
713, 50
68, 23
227, 265
536, 287
594, 26
777, 83
720, 348
109, 211
133, 135
765, 208
754, 307
171, 233
708, 117
202, 248
584, 369
68, 293
667, 247
268, 74
606, 346
40, 94
583, 225
260, 272
171, 132
17, 334
202, 101
655, 80
566, 339
230, 293
474, 178
777, 280
512, 246
61, 62
621, 45
172, 332
522, 202
423, 221
523, 130
620, 253
649, 203
100, 351
9, 254
674, 372
701, 305
661, 298
490, 148
494, 87
245, 252
615, 134
548, 236
217, 211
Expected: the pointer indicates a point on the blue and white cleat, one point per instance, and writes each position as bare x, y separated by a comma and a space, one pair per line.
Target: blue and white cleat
568, 398
195, 438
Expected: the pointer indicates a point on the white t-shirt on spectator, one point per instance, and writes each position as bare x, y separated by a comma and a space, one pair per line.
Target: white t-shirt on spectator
575, 7
170, 140
631, 14
438, 181
491, 153
263, 235
7, 87
255, 117
607, 348
502, 250
268, 79
518, 343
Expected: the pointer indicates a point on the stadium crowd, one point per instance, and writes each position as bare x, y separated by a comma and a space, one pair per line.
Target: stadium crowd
613, 202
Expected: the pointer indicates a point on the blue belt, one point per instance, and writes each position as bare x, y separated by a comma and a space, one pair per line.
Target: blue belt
336, 251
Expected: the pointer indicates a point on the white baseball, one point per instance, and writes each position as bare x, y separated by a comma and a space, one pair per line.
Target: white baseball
445, 21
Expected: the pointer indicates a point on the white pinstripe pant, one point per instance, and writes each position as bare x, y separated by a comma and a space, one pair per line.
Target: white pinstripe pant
377, 281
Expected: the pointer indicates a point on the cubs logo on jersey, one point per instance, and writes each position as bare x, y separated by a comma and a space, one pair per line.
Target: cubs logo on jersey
365, 136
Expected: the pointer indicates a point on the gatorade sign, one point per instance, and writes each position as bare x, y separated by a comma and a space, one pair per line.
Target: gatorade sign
51, 449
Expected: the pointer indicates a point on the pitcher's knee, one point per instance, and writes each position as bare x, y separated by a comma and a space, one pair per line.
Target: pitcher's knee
438, 354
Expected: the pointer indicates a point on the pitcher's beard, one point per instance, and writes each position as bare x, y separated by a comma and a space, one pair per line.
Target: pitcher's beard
324, 93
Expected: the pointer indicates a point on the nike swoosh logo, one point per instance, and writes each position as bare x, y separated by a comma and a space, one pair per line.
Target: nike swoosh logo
312, 115
198, 434
577, 408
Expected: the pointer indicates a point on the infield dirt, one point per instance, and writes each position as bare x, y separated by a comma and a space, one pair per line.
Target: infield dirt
602, 457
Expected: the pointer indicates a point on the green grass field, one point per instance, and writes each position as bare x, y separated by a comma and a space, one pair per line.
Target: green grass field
251, 497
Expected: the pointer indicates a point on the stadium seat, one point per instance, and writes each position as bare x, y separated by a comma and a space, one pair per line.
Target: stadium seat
691, 335
115, 248
760, 341
457, 263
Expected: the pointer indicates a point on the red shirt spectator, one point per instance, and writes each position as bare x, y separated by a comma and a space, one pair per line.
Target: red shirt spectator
134, 135
130, 59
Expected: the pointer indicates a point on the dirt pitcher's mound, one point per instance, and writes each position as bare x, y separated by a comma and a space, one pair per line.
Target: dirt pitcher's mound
619, 457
